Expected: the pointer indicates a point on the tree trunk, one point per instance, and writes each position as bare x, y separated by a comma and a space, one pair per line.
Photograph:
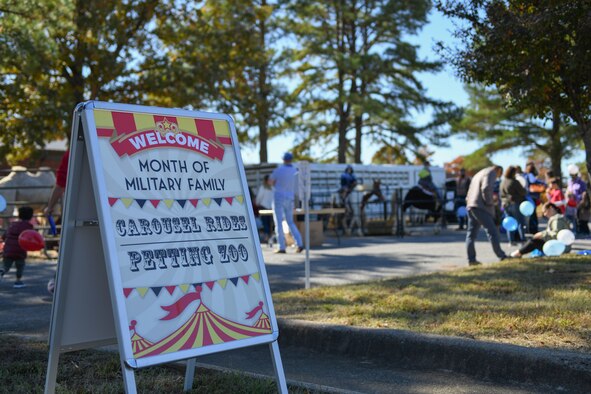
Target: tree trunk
358, 135
263, 97
555, 151
343, 123
585, 130
343, 111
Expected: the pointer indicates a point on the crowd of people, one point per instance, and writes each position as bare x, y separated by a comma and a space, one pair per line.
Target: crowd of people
481, 201
488, 200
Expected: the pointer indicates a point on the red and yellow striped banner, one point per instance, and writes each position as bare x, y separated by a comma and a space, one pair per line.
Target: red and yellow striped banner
131, 132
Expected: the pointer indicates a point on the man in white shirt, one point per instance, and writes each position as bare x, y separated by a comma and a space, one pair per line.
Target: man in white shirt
284, 180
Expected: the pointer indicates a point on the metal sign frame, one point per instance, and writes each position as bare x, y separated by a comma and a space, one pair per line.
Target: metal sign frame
89, 307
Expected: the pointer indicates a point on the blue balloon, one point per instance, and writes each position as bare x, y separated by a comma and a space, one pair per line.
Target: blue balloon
553, 248
510, 223
585, 252
2, 203
527, 208
462, 212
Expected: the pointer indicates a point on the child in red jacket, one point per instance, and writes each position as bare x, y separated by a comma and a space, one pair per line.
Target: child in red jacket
13, 253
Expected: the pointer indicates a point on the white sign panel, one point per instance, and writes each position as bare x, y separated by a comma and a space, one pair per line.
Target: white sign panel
188, 271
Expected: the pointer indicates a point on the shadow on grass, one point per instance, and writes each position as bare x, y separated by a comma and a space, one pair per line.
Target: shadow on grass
23, 366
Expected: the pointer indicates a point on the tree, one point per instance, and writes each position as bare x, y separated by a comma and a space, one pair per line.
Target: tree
487, 119
57, 53
219, 54
357, 74
536, 53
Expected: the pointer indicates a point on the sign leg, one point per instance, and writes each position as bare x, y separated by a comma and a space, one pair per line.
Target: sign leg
190, 374
51, 376
128, 378
278, 366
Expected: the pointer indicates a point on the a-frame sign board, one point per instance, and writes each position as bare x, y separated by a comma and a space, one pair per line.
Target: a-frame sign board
158, 246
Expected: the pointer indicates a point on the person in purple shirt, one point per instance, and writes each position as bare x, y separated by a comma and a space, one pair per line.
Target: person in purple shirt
576, 186
284, 180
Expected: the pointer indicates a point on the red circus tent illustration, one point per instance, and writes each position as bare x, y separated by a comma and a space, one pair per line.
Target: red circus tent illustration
138, 343
263, 322
203, 328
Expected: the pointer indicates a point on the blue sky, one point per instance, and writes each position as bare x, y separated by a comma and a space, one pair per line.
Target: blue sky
443, 85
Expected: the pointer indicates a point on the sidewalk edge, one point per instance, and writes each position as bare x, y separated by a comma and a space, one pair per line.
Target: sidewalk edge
486, 360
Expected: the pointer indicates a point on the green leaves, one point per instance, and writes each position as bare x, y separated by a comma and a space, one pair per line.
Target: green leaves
535, 53
57, 53
488, 119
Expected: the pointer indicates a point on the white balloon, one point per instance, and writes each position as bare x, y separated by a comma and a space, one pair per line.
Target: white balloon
566, 236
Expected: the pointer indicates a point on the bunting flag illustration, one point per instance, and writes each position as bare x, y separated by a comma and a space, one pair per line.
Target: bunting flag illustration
141, 202
185, 287
170, 289
156, 290
142, 291
127, 201
203, 328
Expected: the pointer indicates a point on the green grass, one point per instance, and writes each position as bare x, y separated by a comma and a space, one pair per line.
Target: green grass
533, 302
23, 365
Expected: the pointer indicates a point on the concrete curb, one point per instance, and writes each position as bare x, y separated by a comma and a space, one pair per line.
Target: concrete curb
493, 361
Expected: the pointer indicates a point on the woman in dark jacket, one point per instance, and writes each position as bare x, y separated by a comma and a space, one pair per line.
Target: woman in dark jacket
512, 195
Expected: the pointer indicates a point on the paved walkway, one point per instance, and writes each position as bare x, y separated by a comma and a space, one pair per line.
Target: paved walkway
27, 311
358, 259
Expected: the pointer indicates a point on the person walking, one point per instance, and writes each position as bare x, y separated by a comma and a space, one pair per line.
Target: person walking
283, 179
480, 203
13, 252
512, 195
